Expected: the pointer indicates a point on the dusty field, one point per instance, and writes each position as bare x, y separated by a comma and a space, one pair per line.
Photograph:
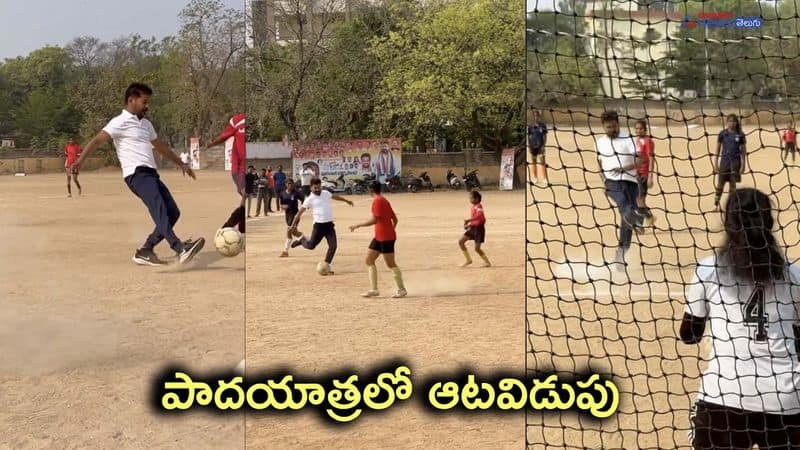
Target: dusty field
627, 324
83, 329
452, 317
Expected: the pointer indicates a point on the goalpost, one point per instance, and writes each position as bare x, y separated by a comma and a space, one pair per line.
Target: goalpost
682, 66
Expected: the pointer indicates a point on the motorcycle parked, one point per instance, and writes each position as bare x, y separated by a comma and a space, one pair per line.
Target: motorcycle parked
421, 182
471, 180
395, 184
453, 180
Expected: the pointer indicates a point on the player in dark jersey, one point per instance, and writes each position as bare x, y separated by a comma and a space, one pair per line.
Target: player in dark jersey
290, 201
729, 165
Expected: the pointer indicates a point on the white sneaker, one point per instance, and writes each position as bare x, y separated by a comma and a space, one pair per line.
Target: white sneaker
400, 293
370, 293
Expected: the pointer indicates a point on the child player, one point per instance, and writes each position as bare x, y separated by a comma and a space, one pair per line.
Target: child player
645, 149
72, 151
385, 221
731, 157
476, 230
789, 143
291, 199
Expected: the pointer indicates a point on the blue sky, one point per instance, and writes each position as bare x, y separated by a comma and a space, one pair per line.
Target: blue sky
541, 4
31, 24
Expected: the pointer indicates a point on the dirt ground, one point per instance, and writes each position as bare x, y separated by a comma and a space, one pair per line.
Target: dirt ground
452, 317
626, 324
83, 329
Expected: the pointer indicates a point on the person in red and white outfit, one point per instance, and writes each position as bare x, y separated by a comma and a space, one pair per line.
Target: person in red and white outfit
647, 162
236, 130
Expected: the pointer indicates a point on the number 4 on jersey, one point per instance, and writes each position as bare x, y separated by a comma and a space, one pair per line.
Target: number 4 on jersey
755, 315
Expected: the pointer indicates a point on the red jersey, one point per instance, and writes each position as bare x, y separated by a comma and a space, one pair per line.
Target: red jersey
72, 151
789, 135
383, 212
236, 130
476, 216
644, 147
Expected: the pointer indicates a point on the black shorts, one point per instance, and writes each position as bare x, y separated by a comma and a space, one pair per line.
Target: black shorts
536, 151
382, 246
720, 427
238, 181
730, 170
290, 217
477, 234
790, 146
642, 186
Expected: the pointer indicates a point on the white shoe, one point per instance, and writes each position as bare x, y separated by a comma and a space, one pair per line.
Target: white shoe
400, 293
371, 293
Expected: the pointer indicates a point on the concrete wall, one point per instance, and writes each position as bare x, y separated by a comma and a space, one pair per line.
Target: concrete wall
436, 164
44, 165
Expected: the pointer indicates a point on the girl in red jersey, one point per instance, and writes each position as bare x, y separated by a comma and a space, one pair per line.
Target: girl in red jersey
385, 221
72, 151
645, 149
476, 230
789, 143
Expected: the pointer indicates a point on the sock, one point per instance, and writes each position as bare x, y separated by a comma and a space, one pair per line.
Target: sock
288, 243
484, 257
717, 196
398, 277
466, 255
373, 277
236, 218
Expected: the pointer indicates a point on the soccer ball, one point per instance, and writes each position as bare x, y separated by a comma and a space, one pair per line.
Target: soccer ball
323, 268
229, 242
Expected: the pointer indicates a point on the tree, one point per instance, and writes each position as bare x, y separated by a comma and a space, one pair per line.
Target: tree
460, 64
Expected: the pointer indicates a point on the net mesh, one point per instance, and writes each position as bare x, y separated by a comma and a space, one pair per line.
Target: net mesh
682, 66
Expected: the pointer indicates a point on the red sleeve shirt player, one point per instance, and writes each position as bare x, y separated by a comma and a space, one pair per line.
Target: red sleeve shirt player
72, 151
477, 218
383, 212
789, 136
236, 130
644, 147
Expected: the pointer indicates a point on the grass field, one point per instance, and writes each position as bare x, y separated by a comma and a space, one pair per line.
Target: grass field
581, 315
83, 329
452, 318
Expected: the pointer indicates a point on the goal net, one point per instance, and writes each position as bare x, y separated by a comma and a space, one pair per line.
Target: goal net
683, 67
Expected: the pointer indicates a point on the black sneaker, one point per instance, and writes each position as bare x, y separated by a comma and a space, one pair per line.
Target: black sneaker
190, 249
297, 243
145, 257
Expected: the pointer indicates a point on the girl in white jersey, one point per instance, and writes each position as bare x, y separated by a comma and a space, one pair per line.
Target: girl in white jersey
749, 393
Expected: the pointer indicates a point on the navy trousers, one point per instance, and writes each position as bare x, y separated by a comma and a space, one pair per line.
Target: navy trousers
624, 194
147, 185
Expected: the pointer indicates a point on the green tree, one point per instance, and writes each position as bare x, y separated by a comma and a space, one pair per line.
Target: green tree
459, 64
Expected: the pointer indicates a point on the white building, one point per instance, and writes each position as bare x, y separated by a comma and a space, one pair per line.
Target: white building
615, 27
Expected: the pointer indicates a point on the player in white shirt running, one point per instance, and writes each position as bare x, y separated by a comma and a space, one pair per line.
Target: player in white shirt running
319, 202
750, 392
616, 154
135, 139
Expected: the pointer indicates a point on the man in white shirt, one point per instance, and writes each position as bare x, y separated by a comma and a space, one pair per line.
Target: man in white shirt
319, 202
305, 178
616, 154
135, 139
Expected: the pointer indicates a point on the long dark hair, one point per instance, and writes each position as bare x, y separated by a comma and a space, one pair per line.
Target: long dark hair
750, 250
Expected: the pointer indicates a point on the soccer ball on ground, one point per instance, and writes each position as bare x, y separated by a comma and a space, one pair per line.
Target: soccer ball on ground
323, 268
229, 242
